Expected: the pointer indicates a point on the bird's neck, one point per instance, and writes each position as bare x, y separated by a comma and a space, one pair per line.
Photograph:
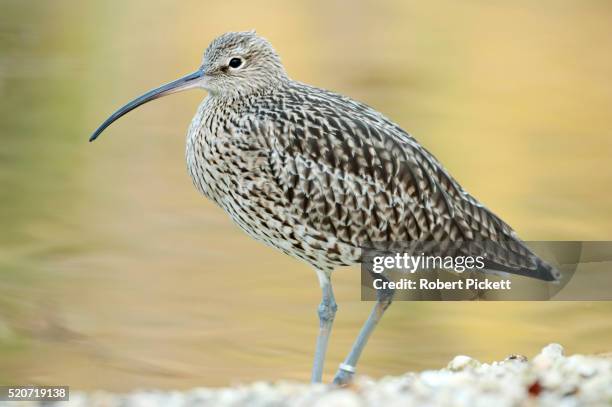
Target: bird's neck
246, 93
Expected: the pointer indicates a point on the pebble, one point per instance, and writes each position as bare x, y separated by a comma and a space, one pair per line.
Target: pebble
462, 362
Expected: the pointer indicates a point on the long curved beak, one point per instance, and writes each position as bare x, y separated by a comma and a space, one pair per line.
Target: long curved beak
184, 83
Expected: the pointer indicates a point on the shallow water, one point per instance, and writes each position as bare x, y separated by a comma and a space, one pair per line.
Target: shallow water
115, 274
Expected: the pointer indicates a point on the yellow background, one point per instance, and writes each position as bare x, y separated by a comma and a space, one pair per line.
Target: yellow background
115, 274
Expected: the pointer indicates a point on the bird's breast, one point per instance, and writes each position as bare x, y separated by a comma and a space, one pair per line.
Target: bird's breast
219, 160
204, 164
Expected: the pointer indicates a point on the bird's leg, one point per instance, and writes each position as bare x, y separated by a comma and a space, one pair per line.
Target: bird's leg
327, 311
346, 370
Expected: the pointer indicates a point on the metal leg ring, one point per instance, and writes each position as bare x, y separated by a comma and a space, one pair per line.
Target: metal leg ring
347, 368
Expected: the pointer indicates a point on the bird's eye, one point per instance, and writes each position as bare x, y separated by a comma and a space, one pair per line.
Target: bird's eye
235, 62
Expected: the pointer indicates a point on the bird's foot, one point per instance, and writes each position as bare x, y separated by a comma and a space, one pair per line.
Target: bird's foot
344, 376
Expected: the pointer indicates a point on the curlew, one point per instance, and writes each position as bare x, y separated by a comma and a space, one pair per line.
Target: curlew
318, 175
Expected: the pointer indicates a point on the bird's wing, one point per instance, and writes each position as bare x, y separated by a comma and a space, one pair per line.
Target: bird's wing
345, 170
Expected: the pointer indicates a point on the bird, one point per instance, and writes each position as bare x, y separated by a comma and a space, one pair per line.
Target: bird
318, 176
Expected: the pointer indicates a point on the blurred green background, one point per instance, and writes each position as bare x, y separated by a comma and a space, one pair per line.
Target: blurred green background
116, 275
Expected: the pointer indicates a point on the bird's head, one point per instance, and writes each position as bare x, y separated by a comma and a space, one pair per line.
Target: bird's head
239, 63
235, 64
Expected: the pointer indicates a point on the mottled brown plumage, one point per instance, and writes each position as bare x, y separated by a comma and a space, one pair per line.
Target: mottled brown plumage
318, 175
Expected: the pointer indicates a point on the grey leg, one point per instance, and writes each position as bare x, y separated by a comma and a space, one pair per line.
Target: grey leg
327, 311
346, 370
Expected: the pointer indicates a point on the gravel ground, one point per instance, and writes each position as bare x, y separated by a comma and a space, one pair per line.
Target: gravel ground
549, 379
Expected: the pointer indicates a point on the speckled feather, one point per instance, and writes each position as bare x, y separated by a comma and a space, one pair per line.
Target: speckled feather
317, 175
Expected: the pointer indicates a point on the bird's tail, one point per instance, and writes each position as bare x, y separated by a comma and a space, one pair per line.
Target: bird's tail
540, 269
